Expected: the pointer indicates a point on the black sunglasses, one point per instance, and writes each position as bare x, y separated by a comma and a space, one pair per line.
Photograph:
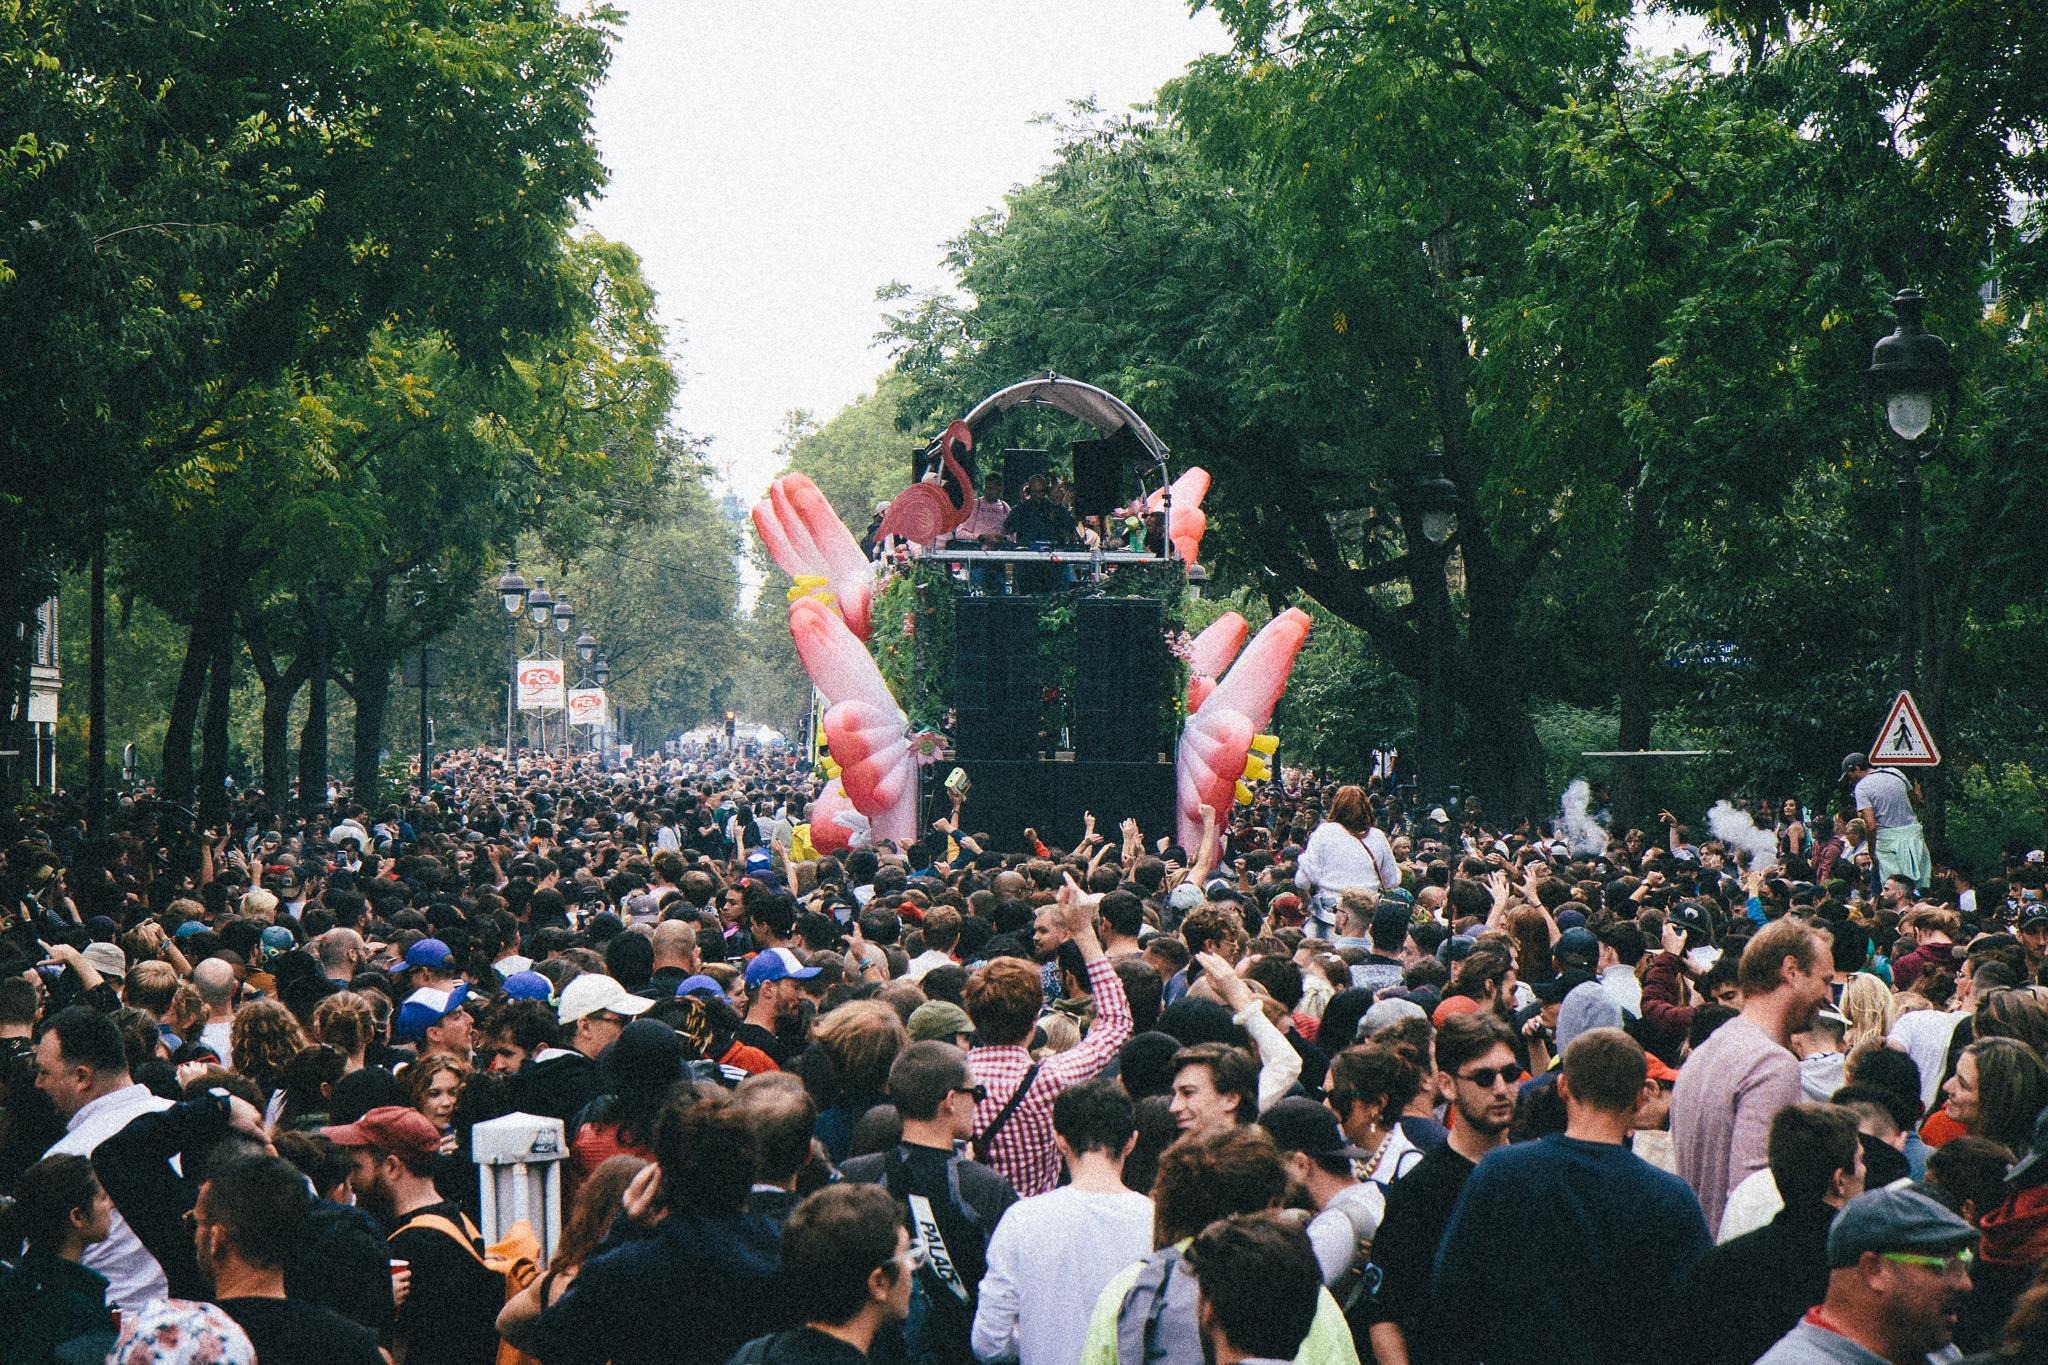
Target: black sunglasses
1488, 1076
980, 1092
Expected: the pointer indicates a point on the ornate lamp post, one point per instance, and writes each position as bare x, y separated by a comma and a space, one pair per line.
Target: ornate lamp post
1908, 370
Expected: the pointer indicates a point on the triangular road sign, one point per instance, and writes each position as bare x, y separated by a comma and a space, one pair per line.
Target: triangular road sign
1904, 741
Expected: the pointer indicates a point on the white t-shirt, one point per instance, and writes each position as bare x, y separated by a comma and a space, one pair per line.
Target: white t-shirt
1333, 1234
1925, 1035
1337, 860
133, 1276
925, 962
1047, 1264
1887, 797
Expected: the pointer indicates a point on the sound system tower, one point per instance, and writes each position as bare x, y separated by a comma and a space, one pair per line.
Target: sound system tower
996, 672
1120, 679
1009, 796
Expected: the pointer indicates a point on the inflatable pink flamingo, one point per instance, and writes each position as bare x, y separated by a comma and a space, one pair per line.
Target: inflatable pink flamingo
924, 511
806, 539
1216, 743
863, 724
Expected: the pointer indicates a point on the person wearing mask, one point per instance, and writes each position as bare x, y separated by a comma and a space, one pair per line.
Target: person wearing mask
82, 1067
1257, 1295
251, 1215
1539, 1222
51, 1302
955, 1203
1052, 1253
1898, 1270
1476, 1075
1734, 1084
1780, 1270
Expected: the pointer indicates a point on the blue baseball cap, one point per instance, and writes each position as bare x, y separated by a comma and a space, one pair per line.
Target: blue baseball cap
529, 986
426, 1007
777, 964
428, 952
189, 928
701, 985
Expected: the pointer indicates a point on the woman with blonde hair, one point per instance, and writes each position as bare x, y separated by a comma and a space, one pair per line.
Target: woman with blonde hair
432, 1085
346, 1022
1870, 1009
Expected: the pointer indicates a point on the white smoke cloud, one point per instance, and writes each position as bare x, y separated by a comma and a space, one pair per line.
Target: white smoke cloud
1579, 830
1757, 848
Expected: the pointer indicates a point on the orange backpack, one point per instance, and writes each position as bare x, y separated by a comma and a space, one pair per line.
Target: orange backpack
516, 1259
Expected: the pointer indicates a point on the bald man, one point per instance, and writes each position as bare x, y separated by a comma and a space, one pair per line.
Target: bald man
676, 958
216, 984
342, 954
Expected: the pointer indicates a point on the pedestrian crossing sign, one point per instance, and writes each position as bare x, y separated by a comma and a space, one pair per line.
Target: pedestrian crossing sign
1904, 740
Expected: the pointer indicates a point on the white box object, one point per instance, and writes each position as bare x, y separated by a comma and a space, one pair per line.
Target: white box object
519, 1159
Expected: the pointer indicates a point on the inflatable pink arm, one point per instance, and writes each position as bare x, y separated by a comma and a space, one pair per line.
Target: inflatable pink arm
1217, 739
834, 819
1189, 520
806, 538
1210, 654
866, 728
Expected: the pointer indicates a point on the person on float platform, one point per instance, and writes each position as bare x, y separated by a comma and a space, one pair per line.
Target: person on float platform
1884, 800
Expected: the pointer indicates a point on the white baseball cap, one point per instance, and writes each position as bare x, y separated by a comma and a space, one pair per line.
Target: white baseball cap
594, 991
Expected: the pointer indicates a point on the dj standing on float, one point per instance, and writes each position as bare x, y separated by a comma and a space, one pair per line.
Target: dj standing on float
1884, 800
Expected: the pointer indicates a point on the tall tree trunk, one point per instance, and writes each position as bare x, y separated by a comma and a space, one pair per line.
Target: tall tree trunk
371, 654
1637, 682
313, 734
278, 696
176, 781
213, 738
96, 688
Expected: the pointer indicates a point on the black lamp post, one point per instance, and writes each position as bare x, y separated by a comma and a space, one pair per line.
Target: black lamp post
1433, 506
602, 672
1908, 370
512, 590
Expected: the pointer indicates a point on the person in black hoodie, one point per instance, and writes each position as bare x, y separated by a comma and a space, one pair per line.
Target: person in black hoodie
1780, 1270
687, 1245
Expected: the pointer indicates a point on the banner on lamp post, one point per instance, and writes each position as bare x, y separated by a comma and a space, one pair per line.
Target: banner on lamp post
540, 685
587, 706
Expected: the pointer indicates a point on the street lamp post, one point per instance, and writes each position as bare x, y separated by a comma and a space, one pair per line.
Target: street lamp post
602, 671
540, 610
512, 590
1908, 370
565, 620
1433, 505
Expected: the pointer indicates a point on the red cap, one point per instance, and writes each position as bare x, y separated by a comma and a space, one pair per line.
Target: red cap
1454, 1004
394, 1128
1659, 1071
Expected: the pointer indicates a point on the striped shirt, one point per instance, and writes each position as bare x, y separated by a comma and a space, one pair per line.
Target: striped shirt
1023, 1151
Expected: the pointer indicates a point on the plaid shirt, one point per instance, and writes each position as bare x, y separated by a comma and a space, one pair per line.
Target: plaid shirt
1024, 1152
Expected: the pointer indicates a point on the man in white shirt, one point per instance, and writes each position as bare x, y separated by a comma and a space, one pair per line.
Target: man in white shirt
82, 1067
1052, 1253
216, 984
1621, 948
941, 935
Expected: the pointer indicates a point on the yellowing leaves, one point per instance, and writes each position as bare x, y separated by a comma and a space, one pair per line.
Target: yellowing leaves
190, 299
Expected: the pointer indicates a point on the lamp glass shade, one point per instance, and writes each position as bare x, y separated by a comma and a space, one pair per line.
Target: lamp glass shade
541, 608
1437, 525
515, 602
1910, 413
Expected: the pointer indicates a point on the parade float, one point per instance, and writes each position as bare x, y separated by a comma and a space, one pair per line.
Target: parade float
1051, 679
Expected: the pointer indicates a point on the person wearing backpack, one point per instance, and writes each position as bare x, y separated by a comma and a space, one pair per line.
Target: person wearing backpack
1348, 1210
450, 1315
1150, 1313
954, 1202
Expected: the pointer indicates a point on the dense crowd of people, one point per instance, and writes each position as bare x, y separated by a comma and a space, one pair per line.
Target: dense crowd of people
1335, 1086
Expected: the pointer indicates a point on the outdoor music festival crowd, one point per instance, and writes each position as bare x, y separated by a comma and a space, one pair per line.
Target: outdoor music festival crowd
1319, 1089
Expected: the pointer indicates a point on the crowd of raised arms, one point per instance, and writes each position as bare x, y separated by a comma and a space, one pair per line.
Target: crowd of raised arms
1336, 1085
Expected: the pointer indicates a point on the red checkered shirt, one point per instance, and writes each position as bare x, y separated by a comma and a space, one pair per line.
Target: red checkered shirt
1024, 1152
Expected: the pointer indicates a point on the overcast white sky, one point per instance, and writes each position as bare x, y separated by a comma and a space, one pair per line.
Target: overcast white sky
775, 162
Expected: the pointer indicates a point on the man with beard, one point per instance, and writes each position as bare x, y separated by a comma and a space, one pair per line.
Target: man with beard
1735, 1083
775, 1000
1476, 1072
251, 1215
1899, 1268
450, 1317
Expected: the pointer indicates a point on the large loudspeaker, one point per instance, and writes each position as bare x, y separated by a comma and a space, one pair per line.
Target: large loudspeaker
996, 688
1011, 796
1117, 685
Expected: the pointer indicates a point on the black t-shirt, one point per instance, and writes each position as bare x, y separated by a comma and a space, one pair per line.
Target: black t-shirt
294, 1332
966, 1200
753, 1035
1419, 1208
451, 1315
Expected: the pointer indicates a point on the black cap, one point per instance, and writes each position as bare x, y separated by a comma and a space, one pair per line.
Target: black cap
1302, 1125
2035, 913
1553, 991
1852, 762
2032, 1169
1577, 947
1692, 917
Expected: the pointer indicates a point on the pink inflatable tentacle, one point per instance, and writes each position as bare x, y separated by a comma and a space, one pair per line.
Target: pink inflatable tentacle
1255, 682
793, 525
769, 528
837, 663
1217, 645
839, 553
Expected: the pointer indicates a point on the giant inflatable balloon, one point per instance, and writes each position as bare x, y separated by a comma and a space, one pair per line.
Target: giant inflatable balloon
1189, 521
924, 512
1210, 654
863, 724
835, 825
1217, 744
807, 540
